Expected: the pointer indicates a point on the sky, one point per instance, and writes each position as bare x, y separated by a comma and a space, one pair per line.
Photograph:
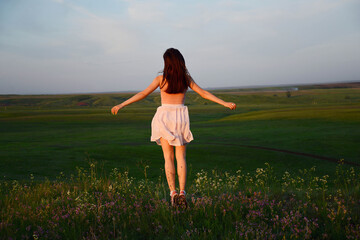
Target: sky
80, 46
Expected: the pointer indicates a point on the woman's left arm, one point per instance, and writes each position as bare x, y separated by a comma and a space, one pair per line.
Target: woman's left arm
139, 96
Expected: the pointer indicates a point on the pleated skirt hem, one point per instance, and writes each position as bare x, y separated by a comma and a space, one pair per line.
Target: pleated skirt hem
171, 122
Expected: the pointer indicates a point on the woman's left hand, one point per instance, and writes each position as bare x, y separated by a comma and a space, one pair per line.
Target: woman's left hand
116, 108
230, 105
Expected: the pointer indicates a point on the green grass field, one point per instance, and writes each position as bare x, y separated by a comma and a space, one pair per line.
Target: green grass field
269, 170
44, 135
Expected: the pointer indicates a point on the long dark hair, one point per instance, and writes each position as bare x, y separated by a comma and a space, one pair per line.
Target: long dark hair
175, 72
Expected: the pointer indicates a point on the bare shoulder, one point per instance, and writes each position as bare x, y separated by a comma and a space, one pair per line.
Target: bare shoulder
191, 81
158, 79
192, 84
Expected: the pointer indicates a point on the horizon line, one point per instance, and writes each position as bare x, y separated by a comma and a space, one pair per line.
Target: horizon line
210, 89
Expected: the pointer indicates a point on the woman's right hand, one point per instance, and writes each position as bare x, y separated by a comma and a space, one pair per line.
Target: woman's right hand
230, 105
116, 108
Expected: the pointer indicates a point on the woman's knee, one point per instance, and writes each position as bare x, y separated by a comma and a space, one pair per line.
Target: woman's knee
169, 156
169, 159
168, 150
180, 153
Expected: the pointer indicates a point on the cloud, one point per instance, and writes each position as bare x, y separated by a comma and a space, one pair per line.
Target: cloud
62, 43
146, 11
238, 12
112, 36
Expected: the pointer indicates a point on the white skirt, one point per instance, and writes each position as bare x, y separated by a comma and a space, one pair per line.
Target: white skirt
171, 122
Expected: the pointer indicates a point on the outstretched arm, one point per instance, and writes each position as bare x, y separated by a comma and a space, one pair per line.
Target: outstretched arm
139, 96
205, 94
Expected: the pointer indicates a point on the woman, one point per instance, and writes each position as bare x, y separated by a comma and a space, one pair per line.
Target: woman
170, 126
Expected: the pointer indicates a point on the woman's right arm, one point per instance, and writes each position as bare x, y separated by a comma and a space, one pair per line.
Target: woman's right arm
139, 96
205, 94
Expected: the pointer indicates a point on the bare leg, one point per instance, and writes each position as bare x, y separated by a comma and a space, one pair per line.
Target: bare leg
168, 151
180, 152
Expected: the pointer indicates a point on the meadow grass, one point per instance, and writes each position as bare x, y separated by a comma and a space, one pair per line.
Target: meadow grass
243, 205
47, 134
235, 191
343, 113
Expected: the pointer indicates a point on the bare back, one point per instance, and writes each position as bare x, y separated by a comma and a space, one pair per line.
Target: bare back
173, 98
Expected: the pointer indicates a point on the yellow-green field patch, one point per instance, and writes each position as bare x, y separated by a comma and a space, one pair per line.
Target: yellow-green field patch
341, 113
